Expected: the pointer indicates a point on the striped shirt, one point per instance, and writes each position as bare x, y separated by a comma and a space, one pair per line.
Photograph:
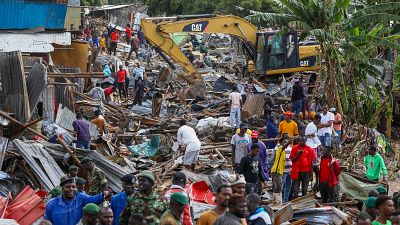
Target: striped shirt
288, 163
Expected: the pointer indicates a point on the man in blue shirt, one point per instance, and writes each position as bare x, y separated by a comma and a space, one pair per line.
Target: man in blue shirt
119, 201
67, 208
262, 154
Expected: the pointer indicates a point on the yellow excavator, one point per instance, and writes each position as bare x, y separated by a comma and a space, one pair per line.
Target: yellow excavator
271, 53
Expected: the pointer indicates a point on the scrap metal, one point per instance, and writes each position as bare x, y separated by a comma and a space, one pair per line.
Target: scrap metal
42, 163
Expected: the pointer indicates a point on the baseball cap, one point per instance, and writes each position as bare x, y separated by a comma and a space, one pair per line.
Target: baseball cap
255, 134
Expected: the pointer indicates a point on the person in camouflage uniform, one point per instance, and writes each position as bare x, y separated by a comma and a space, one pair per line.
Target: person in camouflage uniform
146, 201
96, 178
72, 172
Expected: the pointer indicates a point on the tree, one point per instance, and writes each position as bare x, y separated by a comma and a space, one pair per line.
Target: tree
350, 45
183, 7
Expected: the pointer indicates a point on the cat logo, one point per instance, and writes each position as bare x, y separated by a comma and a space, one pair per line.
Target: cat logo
196, 27
304, 63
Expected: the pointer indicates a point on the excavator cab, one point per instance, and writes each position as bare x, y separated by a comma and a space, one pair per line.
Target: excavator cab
279, 54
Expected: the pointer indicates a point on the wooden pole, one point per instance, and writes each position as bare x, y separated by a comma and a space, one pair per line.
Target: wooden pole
26, 126
66, 148
4, 114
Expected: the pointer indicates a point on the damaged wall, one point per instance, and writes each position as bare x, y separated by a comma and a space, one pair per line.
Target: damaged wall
75, 55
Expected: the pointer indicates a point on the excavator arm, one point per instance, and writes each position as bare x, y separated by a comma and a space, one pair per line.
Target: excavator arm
158, 35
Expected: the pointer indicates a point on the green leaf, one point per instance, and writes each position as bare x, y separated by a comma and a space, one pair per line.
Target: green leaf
300, 25
382, 62
322, 34
371, 18
379, 8
354, 51
274, 18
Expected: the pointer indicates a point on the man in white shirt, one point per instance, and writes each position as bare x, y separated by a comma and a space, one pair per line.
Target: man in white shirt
236, 103
187, 136
311, 133
97, 93
325, 127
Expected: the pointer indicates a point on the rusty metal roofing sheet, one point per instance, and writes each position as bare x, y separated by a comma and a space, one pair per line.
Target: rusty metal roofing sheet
65, 117
33, 43
43, 165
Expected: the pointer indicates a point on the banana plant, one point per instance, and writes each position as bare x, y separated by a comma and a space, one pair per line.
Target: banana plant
352, 39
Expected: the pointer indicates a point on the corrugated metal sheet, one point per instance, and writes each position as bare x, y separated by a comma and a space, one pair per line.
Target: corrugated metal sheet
109, 7
3, 148
65, 117
26, 14
47, 98
43, 165
113, 171
39, 42
14, 93
36, 83
26, 208
73, 17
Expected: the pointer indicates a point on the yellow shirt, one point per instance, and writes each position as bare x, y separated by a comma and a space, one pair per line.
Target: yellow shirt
279, 161
248, 131
289, 128
102, 42
207, 218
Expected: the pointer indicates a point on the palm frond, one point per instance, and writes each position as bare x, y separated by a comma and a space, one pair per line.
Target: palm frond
377, 41
322, 34
379, 8
300, 25
354, 51
274, 18
382, 62
370, 19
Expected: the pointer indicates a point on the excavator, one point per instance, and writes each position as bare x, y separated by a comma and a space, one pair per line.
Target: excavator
271, 53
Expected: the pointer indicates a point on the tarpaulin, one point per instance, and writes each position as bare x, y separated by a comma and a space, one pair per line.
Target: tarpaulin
355, 188
221, 84
200, 192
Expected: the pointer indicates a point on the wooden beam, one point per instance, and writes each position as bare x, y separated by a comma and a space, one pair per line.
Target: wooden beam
67, 84
4, 114
66, 148
76, 75
26, 126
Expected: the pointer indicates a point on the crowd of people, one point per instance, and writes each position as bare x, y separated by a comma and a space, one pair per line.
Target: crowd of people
119, 78
301, 156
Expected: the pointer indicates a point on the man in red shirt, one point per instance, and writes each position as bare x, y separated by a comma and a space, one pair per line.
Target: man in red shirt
134, 46
121, 75
178, 185
108, 92
114, 41
302, 157
328, 176
128, 33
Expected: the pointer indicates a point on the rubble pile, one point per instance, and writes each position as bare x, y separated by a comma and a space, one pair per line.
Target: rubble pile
40, 102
